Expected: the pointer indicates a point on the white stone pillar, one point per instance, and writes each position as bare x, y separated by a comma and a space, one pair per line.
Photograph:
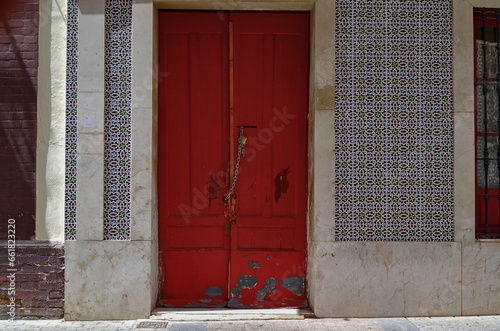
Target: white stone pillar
322, 139
144, 203
51, 121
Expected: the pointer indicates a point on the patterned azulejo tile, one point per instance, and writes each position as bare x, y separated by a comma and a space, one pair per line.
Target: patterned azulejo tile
71, 120
394, 124
117, 119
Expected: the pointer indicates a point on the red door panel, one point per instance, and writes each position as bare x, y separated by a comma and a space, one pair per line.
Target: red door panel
261, 257
271, 84
493, 210
192, 157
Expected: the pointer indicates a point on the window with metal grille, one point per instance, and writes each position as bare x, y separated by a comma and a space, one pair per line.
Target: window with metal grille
487, 121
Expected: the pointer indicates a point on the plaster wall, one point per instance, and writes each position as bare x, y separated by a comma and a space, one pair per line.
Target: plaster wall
51, 121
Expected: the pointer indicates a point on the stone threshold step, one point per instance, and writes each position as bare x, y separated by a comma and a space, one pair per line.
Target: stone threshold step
228, 314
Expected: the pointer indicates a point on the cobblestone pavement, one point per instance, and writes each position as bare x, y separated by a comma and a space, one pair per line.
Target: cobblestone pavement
483, 323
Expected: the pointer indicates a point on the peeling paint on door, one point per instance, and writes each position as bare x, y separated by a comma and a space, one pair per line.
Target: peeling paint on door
253, 265
245, 281
281, 184
270, 285
213, 188
294, 285
213, 291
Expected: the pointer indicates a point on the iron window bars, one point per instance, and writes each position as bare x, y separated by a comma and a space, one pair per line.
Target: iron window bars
487, 121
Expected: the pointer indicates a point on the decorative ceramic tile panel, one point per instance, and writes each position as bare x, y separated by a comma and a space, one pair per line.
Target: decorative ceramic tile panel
117, 118
71, 120
394, 120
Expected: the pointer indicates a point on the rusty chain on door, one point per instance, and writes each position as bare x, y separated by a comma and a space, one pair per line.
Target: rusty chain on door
241, 153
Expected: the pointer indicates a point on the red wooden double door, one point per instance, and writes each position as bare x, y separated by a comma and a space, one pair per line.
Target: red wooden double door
219, 71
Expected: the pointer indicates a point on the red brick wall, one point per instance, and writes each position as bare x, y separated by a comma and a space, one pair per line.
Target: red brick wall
18, 90
39, 280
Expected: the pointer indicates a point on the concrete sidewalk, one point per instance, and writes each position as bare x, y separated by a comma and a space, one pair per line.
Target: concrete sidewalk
482, 323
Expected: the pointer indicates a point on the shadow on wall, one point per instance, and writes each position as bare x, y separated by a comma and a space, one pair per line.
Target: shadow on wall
18, 115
